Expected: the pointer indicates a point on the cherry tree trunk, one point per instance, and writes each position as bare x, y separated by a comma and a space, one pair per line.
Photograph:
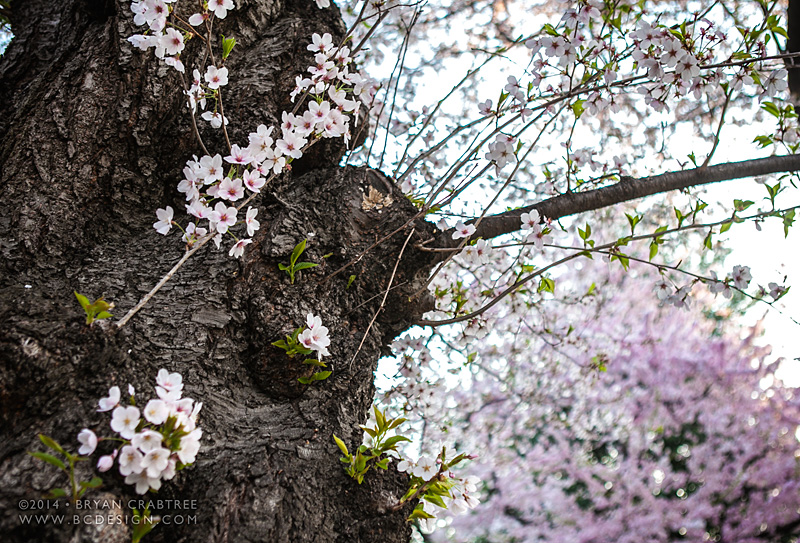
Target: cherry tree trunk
93, 137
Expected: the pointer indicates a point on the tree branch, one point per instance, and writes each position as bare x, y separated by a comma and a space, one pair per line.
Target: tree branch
624, 191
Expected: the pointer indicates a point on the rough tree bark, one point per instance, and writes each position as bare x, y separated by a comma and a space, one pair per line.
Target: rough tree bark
94, 136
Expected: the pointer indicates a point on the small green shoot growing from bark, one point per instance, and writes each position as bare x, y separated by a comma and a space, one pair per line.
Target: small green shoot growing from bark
77, 488
293, 266
95, 311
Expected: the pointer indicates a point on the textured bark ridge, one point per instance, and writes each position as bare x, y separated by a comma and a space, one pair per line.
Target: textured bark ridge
93, 136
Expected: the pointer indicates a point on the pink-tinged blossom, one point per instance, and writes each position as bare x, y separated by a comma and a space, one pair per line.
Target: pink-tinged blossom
106, 462
142, 482
88, 441
172, 41
214, 118
170, 385
238, 248
111, 401
425, 468
260, 141
313, 321
230, 189
530, 220
315, 337
320, 44
252, 180
642, 416
216, 77
220, 7
741, 276
197, 19
239, 156
130, 460
776, 290
291, 145
274, 161
190, 445
223, 217
124, 421
319, 112
156, 411
251, 222
193, 233
463, 230
199, 210
147, 440
164, 223
210, 169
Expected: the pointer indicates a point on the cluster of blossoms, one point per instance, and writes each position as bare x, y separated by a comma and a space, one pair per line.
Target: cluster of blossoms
739, 277
334, 90
156, 442
502, 150
206, 182
315, 337
634, 422
536, 229
457, 495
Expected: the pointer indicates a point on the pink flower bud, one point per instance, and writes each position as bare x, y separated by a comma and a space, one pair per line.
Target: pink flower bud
105, 463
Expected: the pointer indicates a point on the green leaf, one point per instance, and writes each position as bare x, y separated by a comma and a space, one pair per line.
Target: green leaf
419, 513
304, 266
771, 108
633, 221
350, 281
321, 375
380, 419
50, 459
298, 250
434, 499
283, 267
396, 422
653, 250
547, 284
763, 141
50, 442
94, 482
577, 108
57, 493
314, 362
741, 205
392, 441
281, 344
83, 300
341, 445
724, 227
788, 221
707, 241
103, 315
227, 46
383, 464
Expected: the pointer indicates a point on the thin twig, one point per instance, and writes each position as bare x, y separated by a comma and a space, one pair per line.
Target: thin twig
120, 323
385, 295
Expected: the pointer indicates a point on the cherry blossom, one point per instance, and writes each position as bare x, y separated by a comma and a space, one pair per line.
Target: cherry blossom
88, 441
111, 401
238, 248
164, 223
